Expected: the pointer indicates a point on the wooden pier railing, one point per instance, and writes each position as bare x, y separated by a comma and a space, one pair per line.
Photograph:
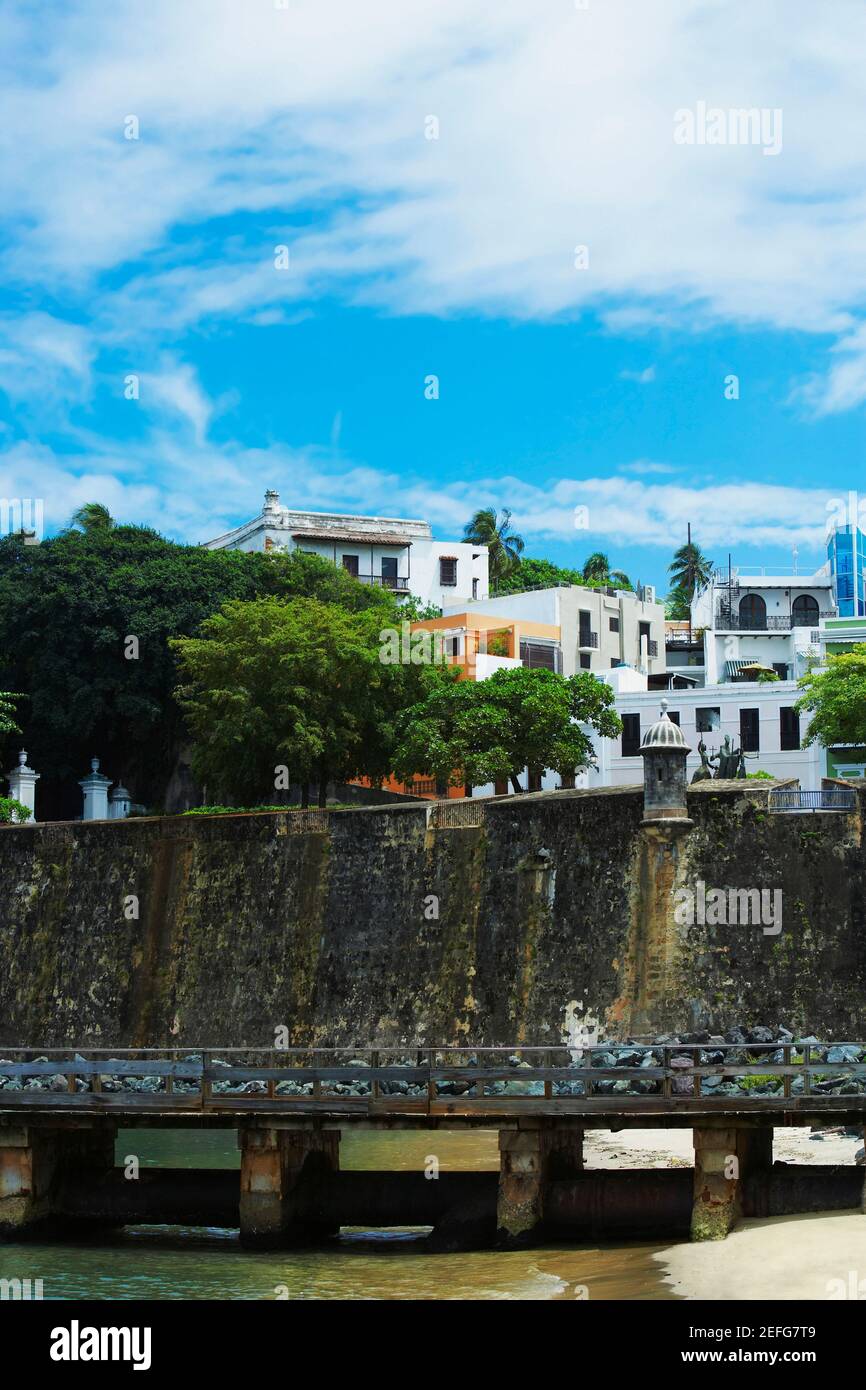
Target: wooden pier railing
519, 1080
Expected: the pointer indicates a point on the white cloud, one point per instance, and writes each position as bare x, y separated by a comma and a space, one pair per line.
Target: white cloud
622, 512
44, 359
644, 466
177, 388
642, 378
556, 129
843, 385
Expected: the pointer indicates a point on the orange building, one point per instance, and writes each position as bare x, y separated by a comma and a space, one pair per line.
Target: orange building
480, 644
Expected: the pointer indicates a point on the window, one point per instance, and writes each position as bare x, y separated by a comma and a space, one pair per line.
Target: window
585, 633
750, 738
475, 588
448, 571
540, 654
708, 720
615, 663
674, 716
804, 611
643, 631
753, 613
789, 730
781, 669
585, 661
350, 564
614, 624
630, 735
389, 571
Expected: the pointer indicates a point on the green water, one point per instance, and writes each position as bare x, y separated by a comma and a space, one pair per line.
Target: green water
175, 1262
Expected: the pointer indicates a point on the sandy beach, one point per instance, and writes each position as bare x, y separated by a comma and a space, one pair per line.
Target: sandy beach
810, 1257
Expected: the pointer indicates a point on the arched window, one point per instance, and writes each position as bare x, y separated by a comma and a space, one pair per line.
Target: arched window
753, 613
805, 611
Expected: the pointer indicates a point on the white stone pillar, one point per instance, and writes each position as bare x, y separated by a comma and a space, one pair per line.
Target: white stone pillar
95, 788
22, 784
119, 803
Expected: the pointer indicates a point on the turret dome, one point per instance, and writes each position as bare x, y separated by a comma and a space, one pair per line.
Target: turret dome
663, 734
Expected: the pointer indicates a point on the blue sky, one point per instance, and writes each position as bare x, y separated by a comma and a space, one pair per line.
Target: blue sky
307, 127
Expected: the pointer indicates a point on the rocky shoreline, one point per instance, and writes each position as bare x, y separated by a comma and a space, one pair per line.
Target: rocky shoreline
740, 1046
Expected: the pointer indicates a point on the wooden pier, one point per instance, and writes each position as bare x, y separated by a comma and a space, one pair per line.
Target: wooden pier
59, 1120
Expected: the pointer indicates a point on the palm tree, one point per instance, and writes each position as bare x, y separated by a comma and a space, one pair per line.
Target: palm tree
92, 516
504, 547
691, 570
597, 570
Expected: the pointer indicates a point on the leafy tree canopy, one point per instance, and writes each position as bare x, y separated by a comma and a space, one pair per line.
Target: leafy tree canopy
477, 732
504, 546
297, 685
690, 571
531, 573
68, 609
836, 700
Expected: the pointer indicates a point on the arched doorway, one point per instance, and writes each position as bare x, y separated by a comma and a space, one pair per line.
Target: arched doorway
753, 613
804, 611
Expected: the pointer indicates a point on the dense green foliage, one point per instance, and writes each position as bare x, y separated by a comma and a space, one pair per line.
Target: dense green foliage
478, 732
530, 573
7, 713
277, 692
12, 811
690, 571
68, 608
836, 700
504, 547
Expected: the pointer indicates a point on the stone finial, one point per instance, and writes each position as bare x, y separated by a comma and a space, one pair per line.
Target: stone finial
94, 764
272, 501
22, 783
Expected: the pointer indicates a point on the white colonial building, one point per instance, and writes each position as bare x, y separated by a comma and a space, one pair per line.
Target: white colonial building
749, 616
391, 552
758, 717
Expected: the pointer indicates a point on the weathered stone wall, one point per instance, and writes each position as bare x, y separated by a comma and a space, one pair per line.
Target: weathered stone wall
243, 926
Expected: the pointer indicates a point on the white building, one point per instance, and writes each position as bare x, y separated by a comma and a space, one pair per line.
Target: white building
588, 629
394, 553
758, 717
754, 615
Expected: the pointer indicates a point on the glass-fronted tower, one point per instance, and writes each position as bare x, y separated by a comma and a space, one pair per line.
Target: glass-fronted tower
846, 552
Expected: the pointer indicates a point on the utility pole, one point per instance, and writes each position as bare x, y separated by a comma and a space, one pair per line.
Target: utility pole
691, 574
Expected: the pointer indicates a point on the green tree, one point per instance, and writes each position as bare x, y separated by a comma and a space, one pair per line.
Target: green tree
677, 606
297, 684
476, 732
85, 622
597, 571
7, 713
531, 573
90, 517
836, 700
504, 546
690, 571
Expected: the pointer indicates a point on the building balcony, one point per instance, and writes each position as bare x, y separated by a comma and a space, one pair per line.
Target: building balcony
770, 623
652, 648
587, 639
385, 581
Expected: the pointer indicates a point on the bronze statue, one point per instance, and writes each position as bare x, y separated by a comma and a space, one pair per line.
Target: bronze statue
704, 772
729, 762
